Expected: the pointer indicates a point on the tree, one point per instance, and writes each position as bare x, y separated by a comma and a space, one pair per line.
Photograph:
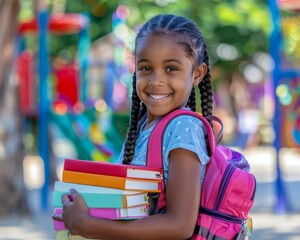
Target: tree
12, 193
241, 25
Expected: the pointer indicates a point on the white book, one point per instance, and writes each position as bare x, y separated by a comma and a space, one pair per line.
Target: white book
66, 186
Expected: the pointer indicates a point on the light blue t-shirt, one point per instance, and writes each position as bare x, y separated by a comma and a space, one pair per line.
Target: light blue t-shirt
184, 131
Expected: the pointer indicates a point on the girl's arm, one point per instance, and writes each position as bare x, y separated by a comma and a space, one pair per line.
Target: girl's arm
178, 222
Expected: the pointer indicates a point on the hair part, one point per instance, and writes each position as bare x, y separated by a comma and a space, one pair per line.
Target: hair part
188, 35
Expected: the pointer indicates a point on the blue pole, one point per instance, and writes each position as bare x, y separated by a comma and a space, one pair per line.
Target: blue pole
83, 52
109, 84
275, 42
43, 103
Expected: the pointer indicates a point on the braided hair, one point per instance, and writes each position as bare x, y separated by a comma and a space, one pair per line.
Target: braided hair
191, 38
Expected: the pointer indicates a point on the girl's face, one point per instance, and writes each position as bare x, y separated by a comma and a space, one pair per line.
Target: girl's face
164, 74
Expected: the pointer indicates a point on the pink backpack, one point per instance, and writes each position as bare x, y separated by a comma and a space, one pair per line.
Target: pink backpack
228, 188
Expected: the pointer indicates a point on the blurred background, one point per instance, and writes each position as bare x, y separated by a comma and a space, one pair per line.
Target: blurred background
65, 86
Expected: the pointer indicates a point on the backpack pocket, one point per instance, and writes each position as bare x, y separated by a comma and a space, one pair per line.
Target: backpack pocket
210, 227
239, 198
236, 203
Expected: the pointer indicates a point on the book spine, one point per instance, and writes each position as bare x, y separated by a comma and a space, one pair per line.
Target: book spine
66, 186
114, 213
108, 213
118, 170
93, 179
93, 200
111, 181
95, 167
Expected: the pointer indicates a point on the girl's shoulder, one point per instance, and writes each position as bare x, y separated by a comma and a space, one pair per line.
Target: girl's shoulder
186, 132
185, 125
186, 120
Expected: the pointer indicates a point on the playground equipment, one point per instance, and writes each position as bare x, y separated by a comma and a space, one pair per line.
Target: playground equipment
42, 24
70, 109
282, 75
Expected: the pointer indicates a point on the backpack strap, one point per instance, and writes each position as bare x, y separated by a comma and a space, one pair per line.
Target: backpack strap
156, 137
154, 149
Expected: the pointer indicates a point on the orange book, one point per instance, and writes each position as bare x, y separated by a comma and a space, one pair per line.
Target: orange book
111, 181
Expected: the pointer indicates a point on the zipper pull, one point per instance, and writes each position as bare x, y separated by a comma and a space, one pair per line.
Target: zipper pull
248, 226
241, 235
246, 230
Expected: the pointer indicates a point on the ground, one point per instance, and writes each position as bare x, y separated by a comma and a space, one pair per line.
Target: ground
268, 222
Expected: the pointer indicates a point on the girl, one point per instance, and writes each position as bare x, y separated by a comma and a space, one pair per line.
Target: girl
171, 59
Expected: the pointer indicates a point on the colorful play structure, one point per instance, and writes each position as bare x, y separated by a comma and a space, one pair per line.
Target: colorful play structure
60, 95
77, 116
284, 49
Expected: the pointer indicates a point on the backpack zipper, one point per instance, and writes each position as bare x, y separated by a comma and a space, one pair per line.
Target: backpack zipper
254, 190
224, 183
221, 216
239, 161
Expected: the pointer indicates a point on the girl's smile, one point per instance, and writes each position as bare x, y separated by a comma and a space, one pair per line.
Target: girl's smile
159, 97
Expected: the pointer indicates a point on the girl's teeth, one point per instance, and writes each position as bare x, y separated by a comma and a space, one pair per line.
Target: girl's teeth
159, 96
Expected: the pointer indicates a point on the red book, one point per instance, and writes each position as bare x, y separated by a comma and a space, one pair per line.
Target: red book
112, 169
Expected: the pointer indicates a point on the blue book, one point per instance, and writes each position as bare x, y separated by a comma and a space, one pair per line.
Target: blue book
100, 197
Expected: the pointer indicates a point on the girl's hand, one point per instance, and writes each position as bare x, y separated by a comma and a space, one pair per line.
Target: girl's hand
75, 212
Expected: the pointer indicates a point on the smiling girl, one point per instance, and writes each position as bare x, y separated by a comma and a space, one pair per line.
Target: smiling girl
171, 60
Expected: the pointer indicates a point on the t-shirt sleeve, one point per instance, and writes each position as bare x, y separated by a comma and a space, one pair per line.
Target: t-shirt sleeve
185, 132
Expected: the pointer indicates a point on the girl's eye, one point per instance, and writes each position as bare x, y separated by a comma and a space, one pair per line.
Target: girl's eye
171, 69
144, 69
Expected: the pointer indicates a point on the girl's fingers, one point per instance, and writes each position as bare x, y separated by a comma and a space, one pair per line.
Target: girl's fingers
65, 199
73, 193
57, 217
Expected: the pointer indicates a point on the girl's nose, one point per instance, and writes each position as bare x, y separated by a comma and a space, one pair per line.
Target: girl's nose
156, 79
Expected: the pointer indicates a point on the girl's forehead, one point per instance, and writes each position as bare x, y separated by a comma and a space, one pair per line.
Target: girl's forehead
157, 42
156, 46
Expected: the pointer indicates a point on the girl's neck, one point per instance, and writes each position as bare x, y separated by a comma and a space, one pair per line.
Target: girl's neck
151, 123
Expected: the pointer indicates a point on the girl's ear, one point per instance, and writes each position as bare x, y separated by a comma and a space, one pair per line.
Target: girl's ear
199, 73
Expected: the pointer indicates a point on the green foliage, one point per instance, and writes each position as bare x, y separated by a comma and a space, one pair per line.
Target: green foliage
241, 24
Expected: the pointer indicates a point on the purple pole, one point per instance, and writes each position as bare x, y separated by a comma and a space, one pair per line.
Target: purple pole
282, 205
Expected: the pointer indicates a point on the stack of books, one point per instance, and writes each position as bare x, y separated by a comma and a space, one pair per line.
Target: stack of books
111, 191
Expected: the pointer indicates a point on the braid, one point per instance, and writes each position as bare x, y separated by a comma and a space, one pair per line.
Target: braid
132, 131
143, 110
206, 91
192, 101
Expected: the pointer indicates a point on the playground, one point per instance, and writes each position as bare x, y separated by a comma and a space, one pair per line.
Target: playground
75, 104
